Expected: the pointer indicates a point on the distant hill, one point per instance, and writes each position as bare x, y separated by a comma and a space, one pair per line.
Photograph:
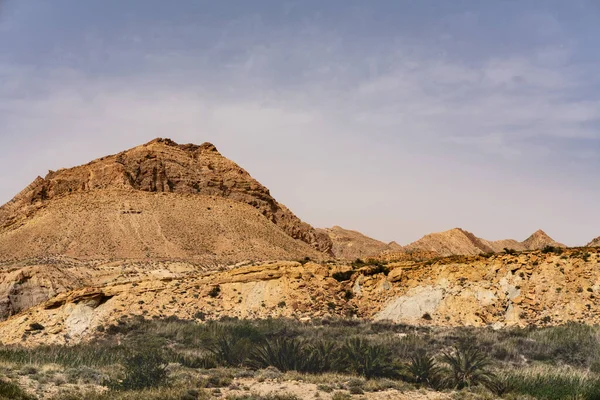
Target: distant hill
594, 243
350, 245
458, 241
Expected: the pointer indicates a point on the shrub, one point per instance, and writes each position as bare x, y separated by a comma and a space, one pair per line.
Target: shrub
424, 370
500, 385
342, 276
36, 327
215, 291
468, 367
367, 360
552, 249
551, 386
341, 396
358, 263
11, 391
322, 357
285, 354
143, 370
572, 343
229, 349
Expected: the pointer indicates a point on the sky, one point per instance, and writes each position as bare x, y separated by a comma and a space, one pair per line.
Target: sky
395, 118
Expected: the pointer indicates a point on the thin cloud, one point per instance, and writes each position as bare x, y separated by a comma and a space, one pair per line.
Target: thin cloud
390, 134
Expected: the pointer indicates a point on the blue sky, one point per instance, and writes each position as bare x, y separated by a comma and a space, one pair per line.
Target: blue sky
395, 118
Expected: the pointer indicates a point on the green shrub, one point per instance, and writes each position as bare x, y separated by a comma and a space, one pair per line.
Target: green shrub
12, 391
424, 370
215, 291
468, 367
143, 370
285, 354
341, 396
322, 357
229, 349
367, 360
551, 386
572, 343
343, 276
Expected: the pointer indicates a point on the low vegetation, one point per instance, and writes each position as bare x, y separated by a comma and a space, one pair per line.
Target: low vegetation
184, 360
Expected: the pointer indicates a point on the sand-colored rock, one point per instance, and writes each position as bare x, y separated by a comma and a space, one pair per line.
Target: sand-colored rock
539, 240
594, 243
499, 290
160, 166
117, 224
452, 242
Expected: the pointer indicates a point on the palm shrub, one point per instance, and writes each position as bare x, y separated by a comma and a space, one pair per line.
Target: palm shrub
322, 357
500, 385
143, 370
285, 354
368, 360
468, 367
424, 370
230, 350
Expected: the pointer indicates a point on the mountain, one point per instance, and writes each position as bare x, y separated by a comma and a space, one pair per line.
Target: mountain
594, 243
350, 245
457, 241
539, 240
160, 199
451, 242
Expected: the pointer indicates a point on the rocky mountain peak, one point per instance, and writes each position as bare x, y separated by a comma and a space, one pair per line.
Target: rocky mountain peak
539, 239
162, 165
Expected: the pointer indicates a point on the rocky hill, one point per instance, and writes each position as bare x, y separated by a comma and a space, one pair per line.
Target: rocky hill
119, 224
160, 199
594, 243
539, 240
457, 241
452, 242
350, 245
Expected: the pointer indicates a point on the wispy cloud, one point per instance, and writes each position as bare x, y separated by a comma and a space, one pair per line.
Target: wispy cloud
377, 129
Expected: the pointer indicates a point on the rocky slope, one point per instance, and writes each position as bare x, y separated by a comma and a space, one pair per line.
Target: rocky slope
452, 242
594, 243
539, 240
161, 166
350, 245
119, 224
457, 241
499, 290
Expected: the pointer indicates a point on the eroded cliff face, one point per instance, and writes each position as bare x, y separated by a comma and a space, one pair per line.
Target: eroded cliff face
163, 166
502, 290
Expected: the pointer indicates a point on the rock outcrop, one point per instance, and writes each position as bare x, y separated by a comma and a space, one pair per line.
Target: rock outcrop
161, 166
532, 288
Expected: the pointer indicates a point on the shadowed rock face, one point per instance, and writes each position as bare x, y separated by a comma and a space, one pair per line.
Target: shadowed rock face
163, 166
